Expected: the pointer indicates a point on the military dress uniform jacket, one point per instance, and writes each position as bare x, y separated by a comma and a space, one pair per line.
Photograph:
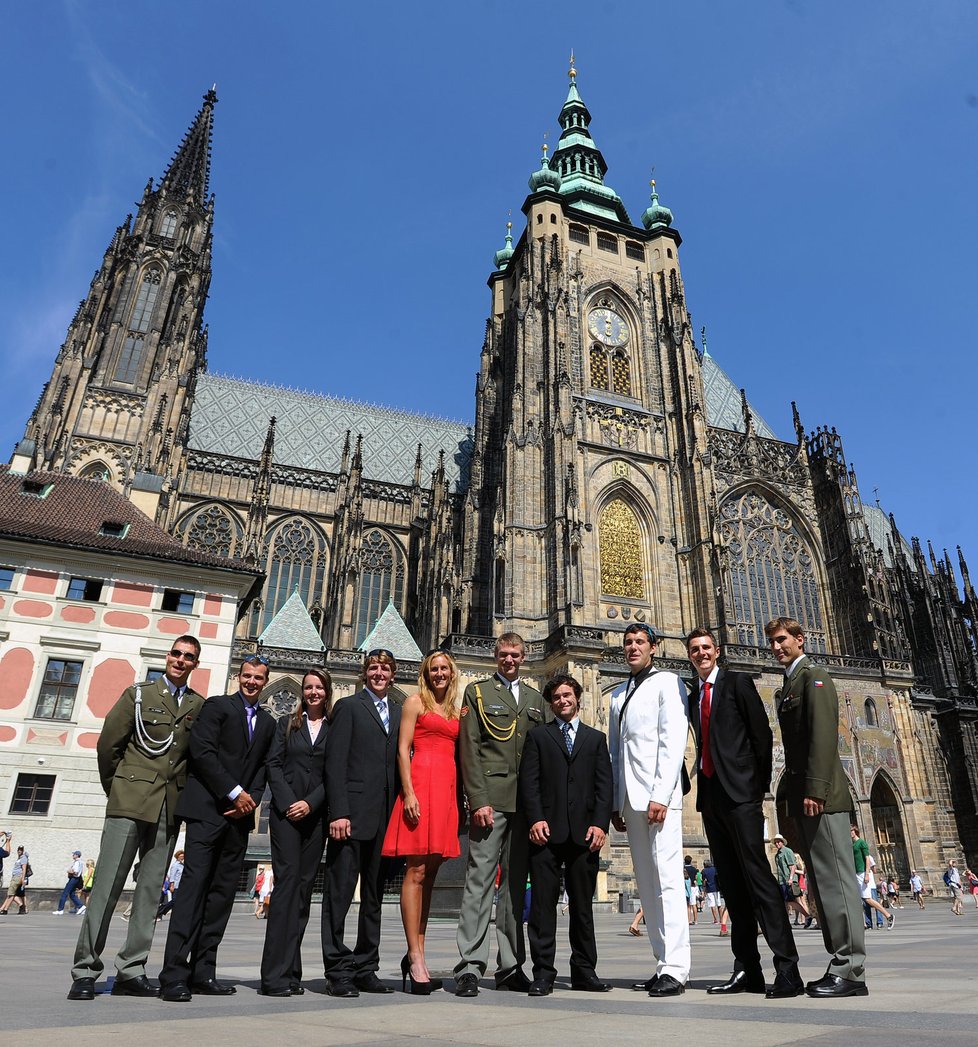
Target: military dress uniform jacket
490, 740
136, 782
808, 714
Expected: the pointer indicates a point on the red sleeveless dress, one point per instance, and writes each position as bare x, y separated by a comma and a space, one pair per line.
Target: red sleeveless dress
433, 775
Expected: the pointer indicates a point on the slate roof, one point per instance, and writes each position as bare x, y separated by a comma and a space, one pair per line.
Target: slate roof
878, 524
73, 512
230, 417
391, 633
723, 407
292, 628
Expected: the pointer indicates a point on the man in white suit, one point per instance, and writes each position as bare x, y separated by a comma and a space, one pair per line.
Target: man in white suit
647, 738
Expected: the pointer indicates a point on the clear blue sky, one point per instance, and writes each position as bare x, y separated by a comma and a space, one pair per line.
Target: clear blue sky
819, 157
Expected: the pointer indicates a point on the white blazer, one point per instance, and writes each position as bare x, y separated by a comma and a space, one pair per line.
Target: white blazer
647, 748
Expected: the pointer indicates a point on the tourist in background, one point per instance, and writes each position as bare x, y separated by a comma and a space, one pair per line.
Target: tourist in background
19, 878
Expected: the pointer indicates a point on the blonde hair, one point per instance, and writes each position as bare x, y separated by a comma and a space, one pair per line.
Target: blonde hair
426, 692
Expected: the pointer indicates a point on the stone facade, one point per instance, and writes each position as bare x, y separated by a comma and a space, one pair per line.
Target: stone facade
612, 473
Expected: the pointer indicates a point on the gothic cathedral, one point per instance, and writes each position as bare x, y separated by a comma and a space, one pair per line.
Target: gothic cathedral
613, 472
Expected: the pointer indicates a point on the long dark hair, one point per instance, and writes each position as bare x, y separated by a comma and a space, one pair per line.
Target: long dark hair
295, 720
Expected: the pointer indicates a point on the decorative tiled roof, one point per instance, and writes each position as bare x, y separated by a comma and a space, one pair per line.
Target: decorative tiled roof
393, 635
230, 416
723, 404
59, 509
292, 628
878, 524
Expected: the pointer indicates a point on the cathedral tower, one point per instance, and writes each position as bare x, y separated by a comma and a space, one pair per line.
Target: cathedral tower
117, 404
587, 502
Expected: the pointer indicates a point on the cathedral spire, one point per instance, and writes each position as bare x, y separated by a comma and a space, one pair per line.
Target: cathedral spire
579, 162
189, 172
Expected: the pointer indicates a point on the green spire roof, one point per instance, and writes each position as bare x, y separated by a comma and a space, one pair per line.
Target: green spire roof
579, 162
391, 633
504, 254
292, 628
546, 177
656, 216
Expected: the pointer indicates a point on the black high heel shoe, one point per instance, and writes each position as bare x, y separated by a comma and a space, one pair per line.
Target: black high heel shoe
417, 988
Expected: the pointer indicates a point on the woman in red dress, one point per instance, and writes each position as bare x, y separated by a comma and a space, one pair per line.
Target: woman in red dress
424, 825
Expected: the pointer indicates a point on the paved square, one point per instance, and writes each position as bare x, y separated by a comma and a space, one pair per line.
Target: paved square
921, 979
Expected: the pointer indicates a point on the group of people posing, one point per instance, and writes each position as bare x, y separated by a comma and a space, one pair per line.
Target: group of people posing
370, 779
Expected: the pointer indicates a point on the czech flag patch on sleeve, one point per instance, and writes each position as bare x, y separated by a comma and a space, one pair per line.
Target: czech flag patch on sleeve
818, 683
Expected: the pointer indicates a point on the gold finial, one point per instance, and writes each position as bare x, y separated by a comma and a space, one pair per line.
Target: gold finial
509, 227
652, 183
545, 148
572, 72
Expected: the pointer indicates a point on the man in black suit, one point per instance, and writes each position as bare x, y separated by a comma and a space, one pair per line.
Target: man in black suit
228, 747
361, 786
733, 761
566, 794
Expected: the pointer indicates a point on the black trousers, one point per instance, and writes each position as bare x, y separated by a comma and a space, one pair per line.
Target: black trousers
202, 905
580, 866
346, 861
297, 849
735, 832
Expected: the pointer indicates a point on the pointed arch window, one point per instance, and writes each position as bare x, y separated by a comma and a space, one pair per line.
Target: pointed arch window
296, 559
381, 581
130, 359
772, 571
142, 312
210, 530
620, 545
169, 224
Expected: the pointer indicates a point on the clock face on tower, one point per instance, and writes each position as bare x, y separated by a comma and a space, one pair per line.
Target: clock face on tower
607, 327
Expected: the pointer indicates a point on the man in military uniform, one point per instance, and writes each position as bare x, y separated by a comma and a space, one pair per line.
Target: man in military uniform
142, 761
818, 805
496, 715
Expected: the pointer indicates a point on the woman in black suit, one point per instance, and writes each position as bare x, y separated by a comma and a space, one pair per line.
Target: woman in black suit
297, 776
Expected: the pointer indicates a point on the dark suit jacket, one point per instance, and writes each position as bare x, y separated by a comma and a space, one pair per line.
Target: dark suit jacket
808, 714
741, 741
221, 758
297, 767
362, 780
571, 792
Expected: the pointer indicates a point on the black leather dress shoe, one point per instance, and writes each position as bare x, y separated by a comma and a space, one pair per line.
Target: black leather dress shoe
140, 986
466, 985
275, 992
345, 990
645, 986
590, 984
666, 985
739, 981
178, 992
832, 986
212, 987
296, 989
82, 989
369, 982
786, 985
540, 987
517, 981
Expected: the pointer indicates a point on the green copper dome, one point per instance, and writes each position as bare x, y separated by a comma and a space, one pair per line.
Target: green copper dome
546, 177
656, 216
504, 254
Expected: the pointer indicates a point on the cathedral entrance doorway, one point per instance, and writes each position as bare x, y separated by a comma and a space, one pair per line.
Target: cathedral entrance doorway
888, 830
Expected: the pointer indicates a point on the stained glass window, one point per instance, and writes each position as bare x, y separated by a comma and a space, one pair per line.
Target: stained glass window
211, 530
772, 571
296, 560
381, 581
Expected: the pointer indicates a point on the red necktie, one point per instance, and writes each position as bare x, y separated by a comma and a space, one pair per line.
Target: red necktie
706, 760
